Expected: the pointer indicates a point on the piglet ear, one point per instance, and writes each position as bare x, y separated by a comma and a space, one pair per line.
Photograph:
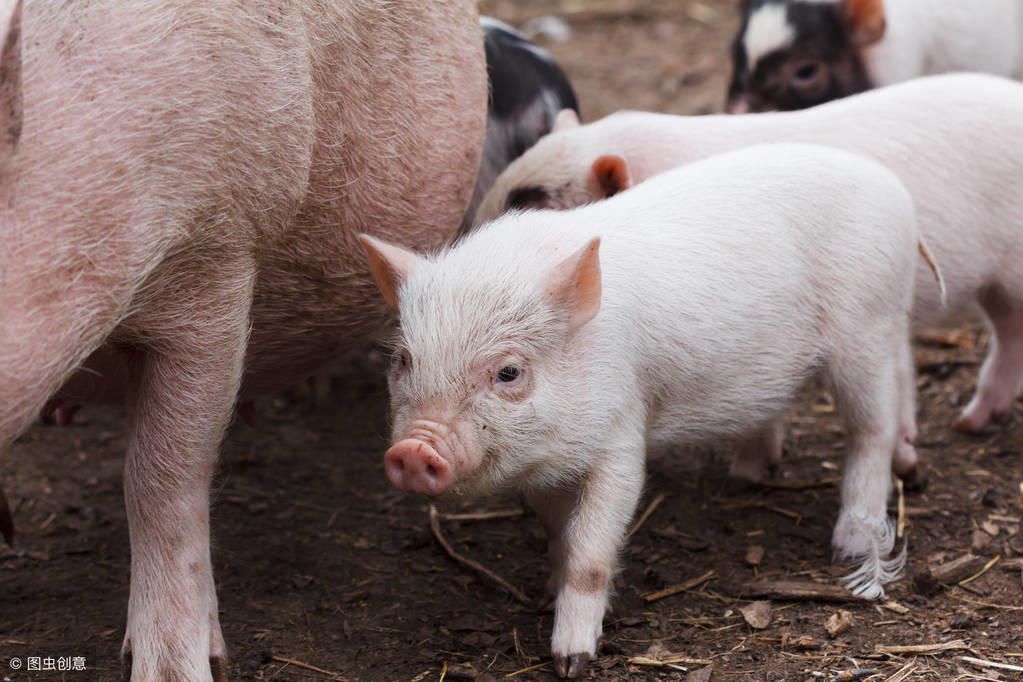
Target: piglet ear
864, 20
10, 72
565, 120
390, 265
610, 175
574, 285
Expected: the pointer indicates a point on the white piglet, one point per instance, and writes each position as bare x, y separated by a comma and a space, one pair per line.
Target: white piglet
954, 140
549, 350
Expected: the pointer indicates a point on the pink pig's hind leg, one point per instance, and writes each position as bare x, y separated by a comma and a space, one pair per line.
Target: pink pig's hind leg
183, 399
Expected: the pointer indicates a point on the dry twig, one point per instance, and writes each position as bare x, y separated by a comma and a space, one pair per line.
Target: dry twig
954, 571
435, 527
526, 670
991, 664
670, 659
646, 515
300, 664
986, 604
921, 648
903, 672
681, 587
484, 516
796, 589
981, 571
852, 675
900, 526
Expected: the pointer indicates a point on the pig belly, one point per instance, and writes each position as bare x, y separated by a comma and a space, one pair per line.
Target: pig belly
400, 164
754, 391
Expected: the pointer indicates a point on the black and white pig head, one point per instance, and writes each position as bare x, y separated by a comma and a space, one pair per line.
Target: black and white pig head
794, 54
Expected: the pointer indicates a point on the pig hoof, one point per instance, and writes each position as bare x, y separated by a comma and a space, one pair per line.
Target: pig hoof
969, 425
218, 667
571, 665
735, 486
974, 421
913, 481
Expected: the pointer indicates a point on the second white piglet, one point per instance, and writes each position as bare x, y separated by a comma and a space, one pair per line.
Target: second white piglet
547, 351
954, 140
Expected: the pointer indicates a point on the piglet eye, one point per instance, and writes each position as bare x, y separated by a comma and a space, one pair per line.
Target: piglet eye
806, 73
508, 374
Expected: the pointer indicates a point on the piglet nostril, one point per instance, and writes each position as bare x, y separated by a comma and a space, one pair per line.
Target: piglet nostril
414, 466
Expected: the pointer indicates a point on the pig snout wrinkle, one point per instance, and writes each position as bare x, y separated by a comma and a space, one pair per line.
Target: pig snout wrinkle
414, 466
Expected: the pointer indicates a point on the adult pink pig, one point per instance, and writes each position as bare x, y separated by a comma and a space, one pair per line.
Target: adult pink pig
182, 183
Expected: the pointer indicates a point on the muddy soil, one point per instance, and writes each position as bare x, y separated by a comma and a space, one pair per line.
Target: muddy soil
325, 572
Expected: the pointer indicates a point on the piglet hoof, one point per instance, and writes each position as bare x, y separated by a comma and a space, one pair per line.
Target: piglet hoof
912, 480
969, 425
975, 419
736, 486
218, 667
570, 666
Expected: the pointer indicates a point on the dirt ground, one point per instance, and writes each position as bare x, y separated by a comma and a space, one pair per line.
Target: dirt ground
325, 572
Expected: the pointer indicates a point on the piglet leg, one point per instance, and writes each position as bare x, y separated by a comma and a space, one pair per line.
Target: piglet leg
758, 456
868, 393
1003, 367
592, 537
183, 398
553, 509
904, 463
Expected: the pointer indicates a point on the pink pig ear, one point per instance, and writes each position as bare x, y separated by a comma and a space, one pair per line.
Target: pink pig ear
10, 72
390, 265
865, 21
609, 175
574, 284
565, 120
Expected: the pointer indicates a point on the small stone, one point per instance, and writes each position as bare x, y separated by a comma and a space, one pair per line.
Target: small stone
961, 621
463, 671
991, 496
839, 622
701, 675
757, 614
896, 607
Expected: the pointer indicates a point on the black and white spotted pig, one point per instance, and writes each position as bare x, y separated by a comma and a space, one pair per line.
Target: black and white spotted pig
527, 90
793, 54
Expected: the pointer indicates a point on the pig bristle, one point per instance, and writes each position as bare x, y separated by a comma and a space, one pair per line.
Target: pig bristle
874, 572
